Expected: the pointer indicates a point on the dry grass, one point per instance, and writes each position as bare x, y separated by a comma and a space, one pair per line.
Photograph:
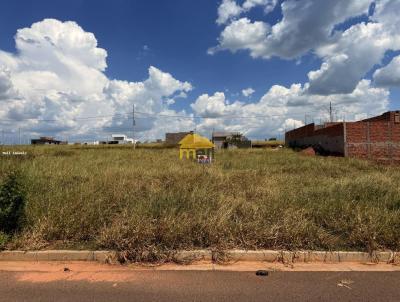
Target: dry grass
148, 203
271, 144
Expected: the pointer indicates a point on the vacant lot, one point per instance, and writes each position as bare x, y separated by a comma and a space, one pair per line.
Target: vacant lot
147, 203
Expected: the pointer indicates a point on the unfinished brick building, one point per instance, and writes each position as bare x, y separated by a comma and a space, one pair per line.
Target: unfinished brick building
172, 139
376, 138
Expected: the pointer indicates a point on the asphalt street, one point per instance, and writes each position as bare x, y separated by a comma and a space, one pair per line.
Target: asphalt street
202, 286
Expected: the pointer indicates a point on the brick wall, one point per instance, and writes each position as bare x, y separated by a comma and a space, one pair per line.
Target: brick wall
329, 139
305, 131
376, 139
174, 138
390, 116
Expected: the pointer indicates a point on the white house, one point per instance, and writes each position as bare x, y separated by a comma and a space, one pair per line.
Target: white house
121, 139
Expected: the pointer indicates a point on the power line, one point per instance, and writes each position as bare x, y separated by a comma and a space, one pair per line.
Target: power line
158, 115
133, 116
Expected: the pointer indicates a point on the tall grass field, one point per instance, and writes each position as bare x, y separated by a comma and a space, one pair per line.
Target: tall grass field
147, 204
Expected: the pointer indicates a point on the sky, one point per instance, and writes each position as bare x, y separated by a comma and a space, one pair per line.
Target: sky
75, 69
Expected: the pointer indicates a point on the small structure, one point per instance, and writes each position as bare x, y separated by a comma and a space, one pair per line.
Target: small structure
46, 140
194, 145
173, 139
230, 140
118, 139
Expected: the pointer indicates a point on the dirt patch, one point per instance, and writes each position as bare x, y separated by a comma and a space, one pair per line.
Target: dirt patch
308, 151
44, 272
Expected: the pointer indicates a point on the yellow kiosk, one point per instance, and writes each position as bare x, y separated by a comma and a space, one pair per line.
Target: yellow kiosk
192, 144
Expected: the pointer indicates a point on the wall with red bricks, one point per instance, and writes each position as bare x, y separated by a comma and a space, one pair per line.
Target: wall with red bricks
376, 139
329, 139
390, 116
305, 131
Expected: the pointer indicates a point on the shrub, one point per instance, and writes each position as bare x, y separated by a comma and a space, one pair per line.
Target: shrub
12, 201
3, 240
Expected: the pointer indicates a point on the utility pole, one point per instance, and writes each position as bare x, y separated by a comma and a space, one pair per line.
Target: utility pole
284, 135
330, 112
133, 126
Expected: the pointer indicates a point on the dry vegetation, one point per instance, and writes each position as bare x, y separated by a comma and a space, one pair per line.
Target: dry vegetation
148, 203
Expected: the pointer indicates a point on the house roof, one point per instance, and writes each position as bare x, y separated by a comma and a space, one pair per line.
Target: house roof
195, 141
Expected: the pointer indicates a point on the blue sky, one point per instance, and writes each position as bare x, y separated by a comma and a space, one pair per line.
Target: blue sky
175, 36
177, 33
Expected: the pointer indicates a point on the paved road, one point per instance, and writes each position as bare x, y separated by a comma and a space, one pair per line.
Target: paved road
204, 286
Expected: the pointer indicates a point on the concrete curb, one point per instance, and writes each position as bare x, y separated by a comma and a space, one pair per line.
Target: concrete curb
286, 257
56, 255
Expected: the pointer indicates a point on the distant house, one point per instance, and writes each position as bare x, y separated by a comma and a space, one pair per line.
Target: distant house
172, 139
46, 140
120, 139
229, 140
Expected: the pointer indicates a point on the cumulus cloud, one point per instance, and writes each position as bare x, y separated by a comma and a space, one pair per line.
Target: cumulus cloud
305, 25
243, 32
312, 26
150, 97
290, 124
227, 10
386, 13
215, 105
230, 9
283, 108
268, 5
349, 58
7, 90
248, 92
57, 76
389, 76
